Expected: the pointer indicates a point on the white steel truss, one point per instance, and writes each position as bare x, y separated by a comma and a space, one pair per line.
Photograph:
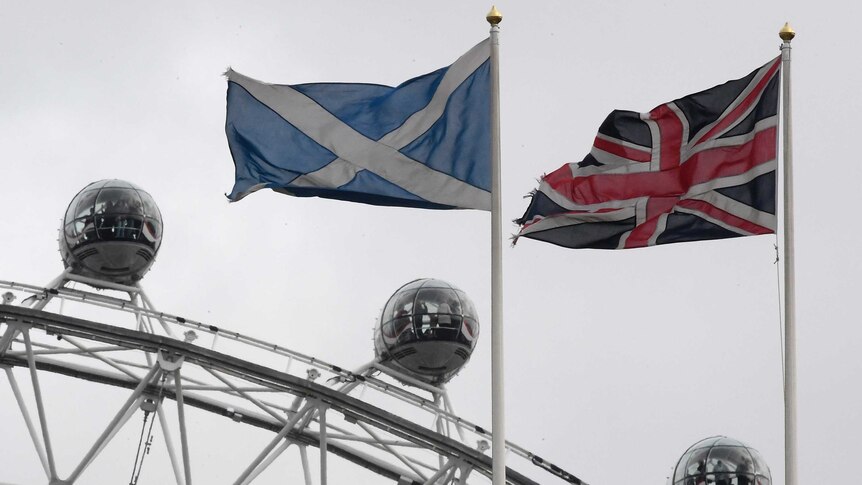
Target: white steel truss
152, 354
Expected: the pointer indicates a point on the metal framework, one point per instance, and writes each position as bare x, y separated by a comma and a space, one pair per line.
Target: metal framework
365, 416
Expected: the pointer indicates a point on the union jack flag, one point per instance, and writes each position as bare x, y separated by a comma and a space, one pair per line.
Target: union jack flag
700, 167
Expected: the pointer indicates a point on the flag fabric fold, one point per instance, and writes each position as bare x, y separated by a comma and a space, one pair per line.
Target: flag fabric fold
425, 143
700, 167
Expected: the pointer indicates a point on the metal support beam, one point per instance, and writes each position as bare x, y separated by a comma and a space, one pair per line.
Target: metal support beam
365, 439
96, 355
129, 413
54, 284
169, 444
322, 407
7, 338
181, 416
97, 283
450, 477
438, 424
12, 330
432, 480
268, 461
40, 450
124, 413
247, 396
364, 370
463, 473
406, 378
149, 305
272, 444
278, 451
303, 456
384, 424
66, 351
447, 405
139, 317
281, 449
40, 407
392, 450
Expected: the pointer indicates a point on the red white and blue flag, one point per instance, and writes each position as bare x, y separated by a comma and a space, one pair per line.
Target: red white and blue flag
700, 167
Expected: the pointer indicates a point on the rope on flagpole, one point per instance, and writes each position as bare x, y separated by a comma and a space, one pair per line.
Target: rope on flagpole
780, 305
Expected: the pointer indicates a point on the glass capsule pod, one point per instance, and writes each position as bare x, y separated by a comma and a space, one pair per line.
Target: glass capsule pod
111, 231
428, 330
720, 460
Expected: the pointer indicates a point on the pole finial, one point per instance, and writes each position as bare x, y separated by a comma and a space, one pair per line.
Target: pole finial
494, 17
786, 33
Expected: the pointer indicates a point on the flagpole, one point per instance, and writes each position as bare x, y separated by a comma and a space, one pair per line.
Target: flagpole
498, 432
786, 34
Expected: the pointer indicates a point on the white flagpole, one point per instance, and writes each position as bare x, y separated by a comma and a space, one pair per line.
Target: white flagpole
787, 34
498, 436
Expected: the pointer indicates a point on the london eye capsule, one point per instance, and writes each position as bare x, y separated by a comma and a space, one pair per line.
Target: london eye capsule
720, 460
428, 330
112, 231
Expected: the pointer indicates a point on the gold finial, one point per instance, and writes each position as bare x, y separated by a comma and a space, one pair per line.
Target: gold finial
494, 17
786, 33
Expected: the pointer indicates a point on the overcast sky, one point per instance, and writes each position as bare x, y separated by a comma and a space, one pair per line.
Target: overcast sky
616, 361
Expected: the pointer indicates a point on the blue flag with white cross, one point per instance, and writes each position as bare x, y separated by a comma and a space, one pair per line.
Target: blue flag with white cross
425, 143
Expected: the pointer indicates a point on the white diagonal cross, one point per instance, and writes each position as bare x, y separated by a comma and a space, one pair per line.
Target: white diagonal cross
357, 152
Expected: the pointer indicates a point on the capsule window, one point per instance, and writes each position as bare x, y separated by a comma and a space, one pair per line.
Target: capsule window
401, 325
759, 463
470, 329
105, 228
151, 232
85, 230
697, 463
119, 228
422, 321
128, 228
402, 305
150, 207
85, 204
400, 329
437, 300
70, 235
722, 459
680, 468
104, 203
468, 310
118, 201
70, 211
413, 285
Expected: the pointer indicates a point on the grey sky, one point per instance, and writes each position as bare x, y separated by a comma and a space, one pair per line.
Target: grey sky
615, 361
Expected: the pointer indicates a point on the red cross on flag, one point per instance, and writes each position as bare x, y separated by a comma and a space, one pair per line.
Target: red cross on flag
700, 167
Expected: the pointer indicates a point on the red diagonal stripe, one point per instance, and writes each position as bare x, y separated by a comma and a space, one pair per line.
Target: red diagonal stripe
725, 217
701, 167
656, 206
560, 176
622, 150
737, 112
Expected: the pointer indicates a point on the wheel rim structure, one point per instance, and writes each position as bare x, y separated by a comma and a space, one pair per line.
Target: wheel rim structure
136, 348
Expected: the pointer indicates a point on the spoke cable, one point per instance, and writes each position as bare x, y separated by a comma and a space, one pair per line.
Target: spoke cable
144, 443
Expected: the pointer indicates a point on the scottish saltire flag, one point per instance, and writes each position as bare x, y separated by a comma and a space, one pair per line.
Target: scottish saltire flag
700, 167
425, 143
